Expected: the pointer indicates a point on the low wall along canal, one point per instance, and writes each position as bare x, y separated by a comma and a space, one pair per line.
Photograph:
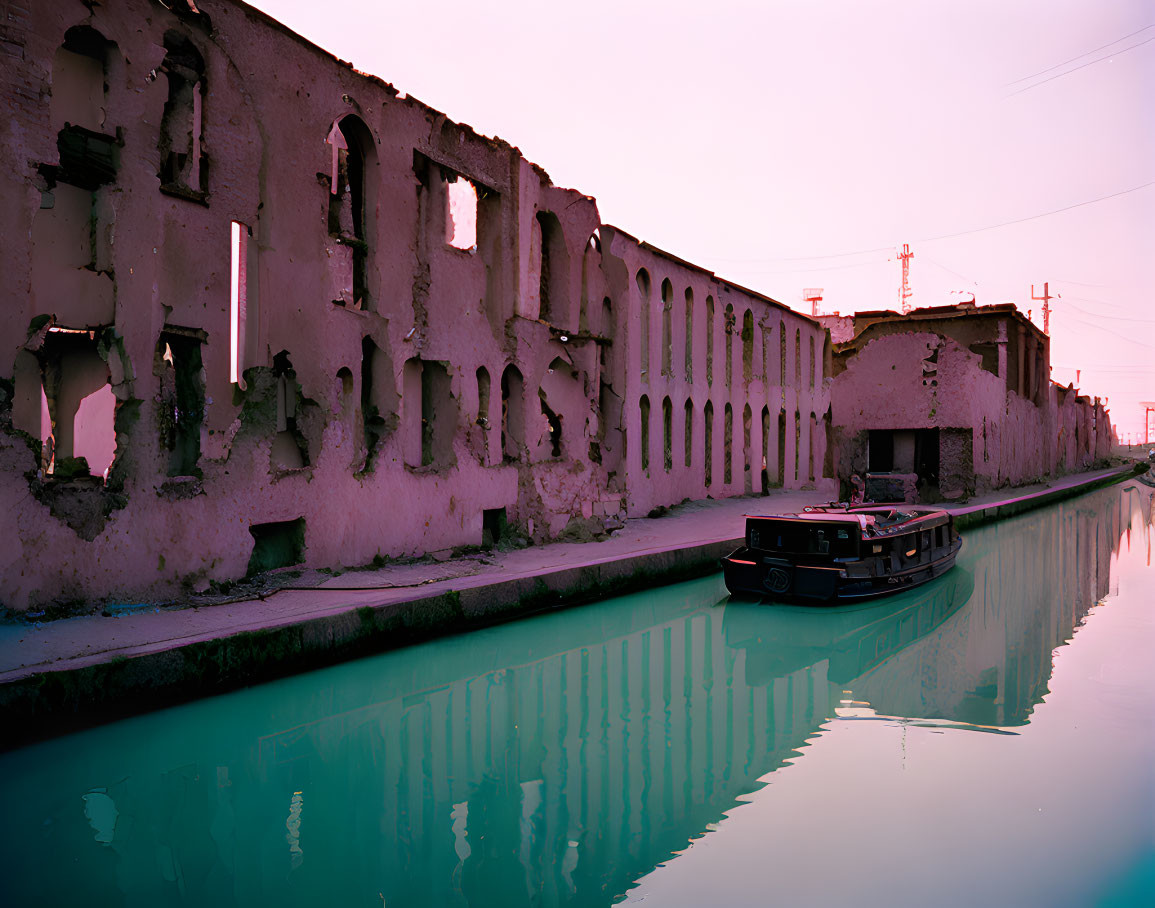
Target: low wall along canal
573, 757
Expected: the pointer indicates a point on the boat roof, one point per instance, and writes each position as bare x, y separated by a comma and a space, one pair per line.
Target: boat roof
875, 517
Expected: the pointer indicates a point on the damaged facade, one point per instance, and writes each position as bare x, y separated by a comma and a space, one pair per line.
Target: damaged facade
952, 401
252, 322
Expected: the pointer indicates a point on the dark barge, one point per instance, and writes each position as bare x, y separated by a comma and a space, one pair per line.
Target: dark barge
842, 554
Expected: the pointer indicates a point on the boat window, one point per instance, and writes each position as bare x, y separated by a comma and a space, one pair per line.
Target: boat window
802, 538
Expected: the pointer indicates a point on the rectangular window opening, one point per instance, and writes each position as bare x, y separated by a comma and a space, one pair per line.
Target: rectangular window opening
181, 399
493, 523
76, 404
461, 223
238, 305
277, 545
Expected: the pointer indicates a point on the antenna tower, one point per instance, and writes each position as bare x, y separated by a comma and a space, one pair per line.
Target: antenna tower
906, 255
813, 295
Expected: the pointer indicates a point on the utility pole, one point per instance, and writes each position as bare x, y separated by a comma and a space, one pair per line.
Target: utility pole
906, 255
1046, 298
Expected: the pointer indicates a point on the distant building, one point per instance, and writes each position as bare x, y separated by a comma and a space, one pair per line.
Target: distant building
951, 401
260, 310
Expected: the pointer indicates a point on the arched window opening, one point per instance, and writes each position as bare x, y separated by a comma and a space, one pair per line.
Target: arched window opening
812, 437
709, 340
797, 443
667, 434
708, 416
591, 271
352, 149
181, 399
765, 478
481, 436
183, 162
553, 424
689, 335
747, 347
728, 445
512, 413
782, 353
643, 282
560, 389
729, 335
667, 328
644, 410
812, 364
747, 472
436, 411
482, 396
378, 398
290, 449
798, 359
553, 271
781, 448
827, 447
689, 429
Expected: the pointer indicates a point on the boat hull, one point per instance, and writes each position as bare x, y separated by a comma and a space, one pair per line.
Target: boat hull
752, 574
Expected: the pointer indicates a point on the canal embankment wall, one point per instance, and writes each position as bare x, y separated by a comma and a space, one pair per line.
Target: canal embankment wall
59, 675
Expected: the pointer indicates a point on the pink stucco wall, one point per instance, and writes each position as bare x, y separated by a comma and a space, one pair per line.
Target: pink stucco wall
923, 372
422, 339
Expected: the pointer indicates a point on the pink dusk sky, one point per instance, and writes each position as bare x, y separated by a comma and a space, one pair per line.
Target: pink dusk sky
787, 145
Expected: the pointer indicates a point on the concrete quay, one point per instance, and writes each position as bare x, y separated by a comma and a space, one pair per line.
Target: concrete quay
59, 675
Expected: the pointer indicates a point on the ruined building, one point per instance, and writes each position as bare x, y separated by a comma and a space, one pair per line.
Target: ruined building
253, 320
951, 401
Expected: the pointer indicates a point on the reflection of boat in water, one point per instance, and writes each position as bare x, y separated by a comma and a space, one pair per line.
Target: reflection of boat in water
842, 554
854, 639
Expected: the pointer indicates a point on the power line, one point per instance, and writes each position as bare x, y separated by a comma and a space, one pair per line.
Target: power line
1105, 370
1077, 283
807, 258
952, 271
1113, 334
1042, 214
1082, 66
1116, 318
807, 270
1080, 56
931, 239
1098, 302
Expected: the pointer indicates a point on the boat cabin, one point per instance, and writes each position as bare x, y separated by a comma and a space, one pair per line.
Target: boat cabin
842, 553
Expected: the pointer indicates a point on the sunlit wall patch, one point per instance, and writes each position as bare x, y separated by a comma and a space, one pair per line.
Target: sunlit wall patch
238, 300
293, 825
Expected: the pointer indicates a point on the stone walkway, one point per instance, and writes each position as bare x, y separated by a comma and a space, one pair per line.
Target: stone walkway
77, 642
196, 650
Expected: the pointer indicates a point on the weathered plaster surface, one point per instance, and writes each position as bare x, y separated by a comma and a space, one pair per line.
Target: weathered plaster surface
980, 376
373, 352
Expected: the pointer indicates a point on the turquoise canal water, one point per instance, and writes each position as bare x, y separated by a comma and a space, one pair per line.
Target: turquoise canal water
985, 740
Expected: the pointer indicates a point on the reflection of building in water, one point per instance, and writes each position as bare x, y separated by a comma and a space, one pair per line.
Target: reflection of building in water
563, 777
1035, 580
556, 759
